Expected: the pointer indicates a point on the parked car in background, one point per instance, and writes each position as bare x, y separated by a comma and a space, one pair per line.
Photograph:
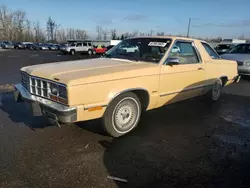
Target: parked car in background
119, 86
58, 46
33, 46
19, 45
241, 54
176, 49
52, 47
6, 45
224, 48
99, 49
43, 46
78, 47
109, 47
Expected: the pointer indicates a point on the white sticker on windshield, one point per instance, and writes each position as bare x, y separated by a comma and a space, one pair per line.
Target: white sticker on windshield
158, 44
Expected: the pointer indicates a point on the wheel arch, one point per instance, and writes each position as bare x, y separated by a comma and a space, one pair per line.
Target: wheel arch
224, 79
141, 93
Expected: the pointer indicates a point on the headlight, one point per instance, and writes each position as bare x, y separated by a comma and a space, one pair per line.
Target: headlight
54, 89
58, 93
247, 63
62, 92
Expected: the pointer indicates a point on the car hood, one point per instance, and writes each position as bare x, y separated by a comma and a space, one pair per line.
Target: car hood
236, 57
92, 70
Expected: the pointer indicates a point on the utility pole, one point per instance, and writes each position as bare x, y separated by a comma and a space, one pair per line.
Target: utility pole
189, 23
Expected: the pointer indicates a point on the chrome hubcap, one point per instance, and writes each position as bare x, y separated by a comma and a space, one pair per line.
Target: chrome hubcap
125, 115
216, 90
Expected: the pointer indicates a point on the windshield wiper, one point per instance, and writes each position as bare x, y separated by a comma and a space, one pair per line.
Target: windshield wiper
106, 55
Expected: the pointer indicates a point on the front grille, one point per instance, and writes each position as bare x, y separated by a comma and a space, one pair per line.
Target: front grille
25, 81
44, 88
35, 85
39, 87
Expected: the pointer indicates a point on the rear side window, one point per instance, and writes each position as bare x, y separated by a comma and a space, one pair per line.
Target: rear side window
84, 44
79, 44
210, 51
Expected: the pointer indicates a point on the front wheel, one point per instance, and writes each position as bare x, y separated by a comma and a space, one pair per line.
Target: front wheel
72, 52
122, 115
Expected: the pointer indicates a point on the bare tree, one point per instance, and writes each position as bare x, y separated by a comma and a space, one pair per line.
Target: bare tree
99, 32
55, 32
39, 34
5, 22
61, 35
113, 34
70, 34
105, 34
19, 18
28, 35
51, 26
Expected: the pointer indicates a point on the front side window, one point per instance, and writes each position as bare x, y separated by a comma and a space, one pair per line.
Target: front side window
89, 44
140, 49
210, 51
184, 52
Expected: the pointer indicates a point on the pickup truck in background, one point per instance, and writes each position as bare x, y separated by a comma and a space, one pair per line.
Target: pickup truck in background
139, 74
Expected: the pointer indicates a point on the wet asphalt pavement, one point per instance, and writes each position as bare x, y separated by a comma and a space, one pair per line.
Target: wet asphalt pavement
188, 144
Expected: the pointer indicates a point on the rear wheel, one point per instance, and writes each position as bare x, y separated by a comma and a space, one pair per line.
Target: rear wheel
90, 52
122, 115
216, 91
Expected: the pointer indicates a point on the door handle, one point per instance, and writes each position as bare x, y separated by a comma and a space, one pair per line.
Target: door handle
200, 68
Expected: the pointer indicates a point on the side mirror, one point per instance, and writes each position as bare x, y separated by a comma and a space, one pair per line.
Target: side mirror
172, 61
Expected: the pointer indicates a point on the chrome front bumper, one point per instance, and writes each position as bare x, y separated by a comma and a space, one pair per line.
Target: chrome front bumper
52, 110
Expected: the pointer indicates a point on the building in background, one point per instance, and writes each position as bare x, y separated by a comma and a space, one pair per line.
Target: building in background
234, 41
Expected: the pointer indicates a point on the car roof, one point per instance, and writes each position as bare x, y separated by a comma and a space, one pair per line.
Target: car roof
171, 37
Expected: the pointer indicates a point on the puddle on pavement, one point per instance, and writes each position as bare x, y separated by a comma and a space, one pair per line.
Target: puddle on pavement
1, 98
239, 120
232, 140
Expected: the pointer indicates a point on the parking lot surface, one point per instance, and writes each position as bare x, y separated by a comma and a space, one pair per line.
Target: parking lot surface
188, 144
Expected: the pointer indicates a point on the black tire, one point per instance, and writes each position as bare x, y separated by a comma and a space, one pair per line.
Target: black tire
90, 52
215, 93
72, 52
125, 107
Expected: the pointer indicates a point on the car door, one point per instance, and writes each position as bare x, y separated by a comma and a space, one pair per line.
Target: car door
184, 79
79, 47
85, 47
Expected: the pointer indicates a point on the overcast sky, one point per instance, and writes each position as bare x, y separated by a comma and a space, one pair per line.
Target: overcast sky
228, 18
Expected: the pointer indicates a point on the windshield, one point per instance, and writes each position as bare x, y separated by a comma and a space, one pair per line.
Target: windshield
241, 48
72, 44
140, 49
